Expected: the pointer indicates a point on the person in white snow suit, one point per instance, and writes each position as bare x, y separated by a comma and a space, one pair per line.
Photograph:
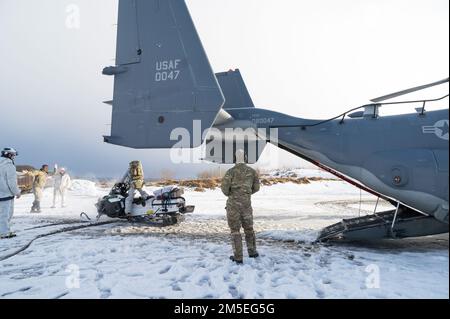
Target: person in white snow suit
8, 191
135, 177
61, 183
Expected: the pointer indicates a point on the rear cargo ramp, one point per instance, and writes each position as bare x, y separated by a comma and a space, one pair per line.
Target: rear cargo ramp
408, 223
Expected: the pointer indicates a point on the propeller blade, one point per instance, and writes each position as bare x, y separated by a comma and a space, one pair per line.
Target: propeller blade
404, 92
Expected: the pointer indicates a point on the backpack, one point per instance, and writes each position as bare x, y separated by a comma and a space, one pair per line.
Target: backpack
137, 174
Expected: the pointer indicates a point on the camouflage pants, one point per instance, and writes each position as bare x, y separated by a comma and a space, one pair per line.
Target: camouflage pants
37, 192
240, 215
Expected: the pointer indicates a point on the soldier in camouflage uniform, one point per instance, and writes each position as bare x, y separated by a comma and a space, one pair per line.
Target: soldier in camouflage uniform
239, 184
40, 180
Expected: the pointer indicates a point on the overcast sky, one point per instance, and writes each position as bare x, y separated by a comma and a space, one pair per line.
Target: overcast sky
312, 59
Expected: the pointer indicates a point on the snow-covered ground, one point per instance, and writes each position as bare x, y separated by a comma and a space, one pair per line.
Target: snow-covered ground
301, 172
191, 260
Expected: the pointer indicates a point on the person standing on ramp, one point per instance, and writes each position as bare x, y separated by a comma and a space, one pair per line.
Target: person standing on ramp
239, 184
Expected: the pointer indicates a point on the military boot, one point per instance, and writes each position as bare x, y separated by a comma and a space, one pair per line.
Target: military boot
38, 207
250, 239
239, 262
236, 242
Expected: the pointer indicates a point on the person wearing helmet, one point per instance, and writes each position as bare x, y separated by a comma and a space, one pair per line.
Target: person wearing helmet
8, 191
40, 180
61, 182
134, 176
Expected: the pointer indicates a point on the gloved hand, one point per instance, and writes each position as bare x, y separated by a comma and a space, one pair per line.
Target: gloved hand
18, 195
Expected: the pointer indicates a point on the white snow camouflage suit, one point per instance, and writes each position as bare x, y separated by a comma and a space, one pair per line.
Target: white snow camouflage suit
135, 177
61, 182
8, 190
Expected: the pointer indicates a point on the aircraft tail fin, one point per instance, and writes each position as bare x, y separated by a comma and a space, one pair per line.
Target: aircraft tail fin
234, 90
163, 79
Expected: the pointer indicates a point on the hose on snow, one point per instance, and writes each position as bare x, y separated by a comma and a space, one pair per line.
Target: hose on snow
63, 230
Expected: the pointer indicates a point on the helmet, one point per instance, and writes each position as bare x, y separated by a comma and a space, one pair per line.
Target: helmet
9, 152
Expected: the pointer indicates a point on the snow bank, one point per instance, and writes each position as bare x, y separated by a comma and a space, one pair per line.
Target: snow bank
84, 188
300, 173
304, 236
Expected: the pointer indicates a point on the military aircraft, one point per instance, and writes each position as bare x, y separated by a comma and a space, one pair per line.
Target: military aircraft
166, 95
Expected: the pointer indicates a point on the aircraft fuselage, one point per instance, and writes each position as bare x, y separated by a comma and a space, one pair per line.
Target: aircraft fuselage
402, 157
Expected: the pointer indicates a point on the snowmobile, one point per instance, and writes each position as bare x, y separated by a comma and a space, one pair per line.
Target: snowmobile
166, 207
